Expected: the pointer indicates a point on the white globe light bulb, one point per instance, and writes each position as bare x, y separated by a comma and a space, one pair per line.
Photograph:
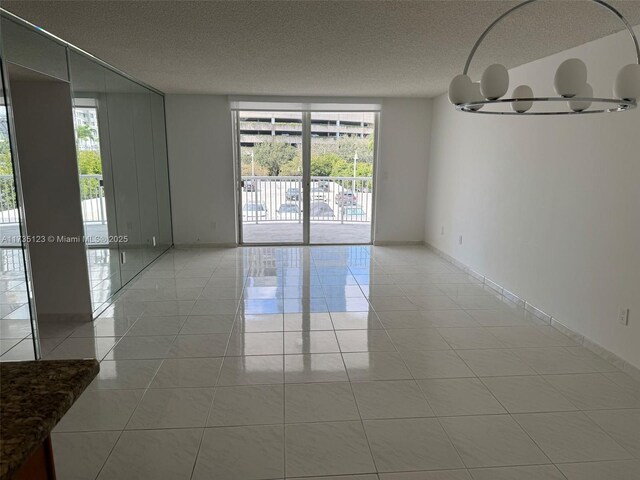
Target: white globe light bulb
459, 89
475, 96
571, 77
627, 85
580, 106
522, 91
495, 82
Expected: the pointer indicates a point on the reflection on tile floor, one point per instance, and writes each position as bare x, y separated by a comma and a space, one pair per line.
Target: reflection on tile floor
321, 232
16, 342
15, 317
357, 361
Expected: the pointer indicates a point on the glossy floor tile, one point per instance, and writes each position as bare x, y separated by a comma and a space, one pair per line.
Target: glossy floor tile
530, 472
523, 394
625, 469
391, 399
242, 453
328, 448
622, 425
459, 396
187, 372
339, 363
172, 408
571, 437
247, 405
126, 374
158, 454
96, 447
492, 440
410, 444
320, 402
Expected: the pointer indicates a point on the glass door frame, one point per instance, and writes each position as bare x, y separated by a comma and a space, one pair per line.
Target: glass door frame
306, 180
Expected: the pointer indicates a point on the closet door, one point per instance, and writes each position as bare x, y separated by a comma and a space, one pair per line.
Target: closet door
91, 115
123, 113
145, 174
165, 236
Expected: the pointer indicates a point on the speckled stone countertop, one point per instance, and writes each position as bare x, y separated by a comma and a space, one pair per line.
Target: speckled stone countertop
33, 398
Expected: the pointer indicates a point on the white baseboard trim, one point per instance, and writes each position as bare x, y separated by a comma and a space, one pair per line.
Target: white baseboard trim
397, 243
204, 245
589, 344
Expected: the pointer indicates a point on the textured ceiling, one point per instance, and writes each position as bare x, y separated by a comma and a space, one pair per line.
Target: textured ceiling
315, 47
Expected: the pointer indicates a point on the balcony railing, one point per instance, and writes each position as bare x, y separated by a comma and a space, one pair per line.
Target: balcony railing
8, 204
332, 199
91, 194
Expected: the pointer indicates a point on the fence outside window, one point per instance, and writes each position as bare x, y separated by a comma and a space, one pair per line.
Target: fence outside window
91, 194
332, 199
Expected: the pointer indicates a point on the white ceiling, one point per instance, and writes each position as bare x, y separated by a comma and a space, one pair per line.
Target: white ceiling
315, 47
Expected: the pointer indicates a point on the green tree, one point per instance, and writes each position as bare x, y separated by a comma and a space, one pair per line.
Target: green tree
85, 132
342, 169
273, 155
292, 168
89, 163
257, 170
322, 164
7, 192
364, 169
347, 146
6, 167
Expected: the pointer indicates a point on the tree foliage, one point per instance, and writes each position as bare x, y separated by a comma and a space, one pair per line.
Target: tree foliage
6, 167
257, 170
322, 164
332, 158
89, 163
85, 132
273, 155
292, 168
7, 192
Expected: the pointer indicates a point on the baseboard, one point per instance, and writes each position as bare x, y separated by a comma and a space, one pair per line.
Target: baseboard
179, 246
589, 344
397, 243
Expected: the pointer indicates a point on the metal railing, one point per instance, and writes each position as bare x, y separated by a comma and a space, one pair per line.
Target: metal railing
332, 199
8, 204
91, 194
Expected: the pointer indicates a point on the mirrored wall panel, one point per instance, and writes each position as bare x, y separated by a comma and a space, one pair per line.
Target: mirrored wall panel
16, 327
119, 140
124, 179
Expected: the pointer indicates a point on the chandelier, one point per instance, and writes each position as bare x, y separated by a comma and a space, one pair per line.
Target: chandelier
575, 95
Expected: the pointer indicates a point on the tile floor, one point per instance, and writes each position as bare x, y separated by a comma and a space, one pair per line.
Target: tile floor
321, 232
354, 362
15, 317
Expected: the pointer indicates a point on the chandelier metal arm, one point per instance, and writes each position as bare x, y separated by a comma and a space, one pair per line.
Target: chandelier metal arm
602, 3
617, 105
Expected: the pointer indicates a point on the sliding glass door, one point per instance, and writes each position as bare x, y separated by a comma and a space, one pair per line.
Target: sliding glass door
342, 153
305, 177
270, 172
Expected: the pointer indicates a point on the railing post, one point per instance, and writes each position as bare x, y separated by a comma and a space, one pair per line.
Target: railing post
101, 199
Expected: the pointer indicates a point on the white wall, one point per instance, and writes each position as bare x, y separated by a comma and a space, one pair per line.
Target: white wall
201, 168
548, 207
402, 169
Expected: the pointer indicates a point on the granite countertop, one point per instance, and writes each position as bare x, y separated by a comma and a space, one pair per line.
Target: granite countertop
33, 398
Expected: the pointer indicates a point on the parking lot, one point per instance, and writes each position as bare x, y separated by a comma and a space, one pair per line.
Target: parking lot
333, 199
